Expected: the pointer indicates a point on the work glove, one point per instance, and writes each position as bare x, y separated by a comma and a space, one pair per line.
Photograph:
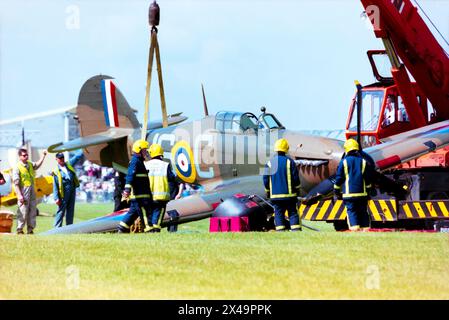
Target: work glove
372, 192
338, 194
311, 200
125, 196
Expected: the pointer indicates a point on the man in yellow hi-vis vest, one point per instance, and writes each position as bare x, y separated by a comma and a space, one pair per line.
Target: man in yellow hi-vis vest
162, 179
65, 183
23, 178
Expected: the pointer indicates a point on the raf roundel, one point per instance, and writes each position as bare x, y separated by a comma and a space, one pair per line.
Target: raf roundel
182, 156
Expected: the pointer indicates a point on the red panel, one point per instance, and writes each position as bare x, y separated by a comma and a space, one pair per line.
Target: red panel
388, 162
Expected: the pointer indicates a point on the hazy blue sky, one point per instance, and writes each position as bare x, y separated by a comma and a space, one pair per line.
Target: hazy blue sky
297, 58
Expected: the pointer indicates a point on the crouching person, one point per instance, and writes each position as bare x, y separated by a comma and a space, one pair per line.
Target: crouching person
161, 178
137, 189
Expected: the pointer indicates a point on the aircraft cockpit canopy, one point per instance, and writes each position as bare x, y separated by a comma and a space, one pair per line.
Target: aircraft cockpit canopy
235, 121
270, 121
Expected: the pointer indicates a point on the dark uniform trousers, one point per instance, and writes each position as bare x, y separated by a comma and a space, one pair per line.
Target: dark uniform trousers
138, 186
134, 212
357, 213
159, 208
286, 205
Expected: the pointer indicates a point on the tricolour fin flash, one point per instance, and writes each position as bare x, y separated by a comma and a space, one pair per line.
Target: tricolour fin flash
109, 103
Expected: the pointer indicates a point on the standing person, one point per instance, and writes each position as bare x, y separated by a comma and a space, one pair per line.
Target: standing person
23, 178
65, 183
162, 180
355, 174
282, 185
137, 189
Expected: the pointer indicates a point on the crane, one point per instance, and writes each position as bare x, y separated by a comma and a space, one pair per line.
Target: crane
395, 103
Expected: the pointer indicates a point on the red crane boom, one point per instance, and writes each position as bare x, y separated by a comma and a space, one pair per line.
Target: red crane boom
406, 35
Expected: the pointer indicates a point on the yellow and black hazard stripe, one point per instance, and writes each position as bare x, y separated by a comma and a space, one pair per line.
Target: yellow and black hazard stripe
323, 210
423, 209
379, 210
382, 210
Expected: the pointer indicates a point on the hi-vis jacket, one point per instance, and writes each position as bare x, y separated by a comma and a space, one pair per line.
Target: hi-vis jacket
281, 178
161, 178
355, 174
26, 174
137, 183
61, 181
68, 181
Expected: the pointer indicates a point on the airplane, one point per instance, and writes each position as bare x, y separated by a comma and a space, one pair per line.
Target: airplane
224, 153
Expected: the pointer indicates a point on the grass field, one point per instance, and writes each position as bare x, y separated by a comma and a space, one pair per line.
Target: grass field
194, 264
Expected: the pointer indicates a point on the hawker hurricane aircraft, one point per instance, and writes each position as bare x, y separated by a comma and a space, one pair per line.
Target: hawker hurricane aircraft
224, 153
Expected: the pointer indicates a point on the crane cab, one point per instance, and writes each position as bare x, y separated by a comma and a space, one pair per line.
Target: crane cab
383, 111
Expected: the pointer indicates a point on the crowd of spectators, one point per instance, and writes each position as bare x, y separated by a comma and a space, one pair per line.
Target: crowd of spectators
96, 183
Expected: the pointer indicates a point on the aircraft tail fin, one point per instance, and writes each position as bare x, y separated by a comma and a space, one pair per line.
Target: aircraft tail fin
101, 106
105, 120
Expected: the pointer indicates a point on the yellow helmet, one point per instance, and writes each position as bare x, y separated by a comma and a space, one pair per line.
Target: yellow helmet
281, 145
351, 145
156, 150
139, 145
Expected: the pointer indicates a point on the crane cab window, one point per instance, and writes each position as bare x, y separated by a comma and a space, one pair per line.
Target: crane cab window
371, 108
431, 112
402, 112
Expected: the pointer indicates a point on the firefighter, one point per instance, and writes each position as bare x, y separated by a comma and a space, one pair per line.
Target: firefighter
137, 188
355, 174
162, 180
282, 184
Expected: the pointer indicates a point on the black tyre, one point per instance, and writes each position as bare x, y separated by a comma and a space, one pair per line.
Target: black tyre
341, 225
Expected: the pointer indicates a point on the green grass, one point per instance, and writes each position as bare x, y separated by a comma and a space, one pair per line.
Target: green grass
194, 264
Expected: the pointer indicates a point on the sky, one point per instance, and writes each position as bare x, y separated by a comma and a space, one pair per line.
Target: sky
298, 58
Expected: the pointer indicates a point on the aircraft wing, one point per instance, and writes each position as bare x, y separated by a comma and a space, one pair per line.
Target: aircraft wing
393, 151
409, 145
194, 207
109, 135
172, 119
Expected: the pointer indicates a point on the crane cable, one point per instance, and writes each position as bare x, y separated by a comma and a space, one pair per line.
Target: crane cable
430, 20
